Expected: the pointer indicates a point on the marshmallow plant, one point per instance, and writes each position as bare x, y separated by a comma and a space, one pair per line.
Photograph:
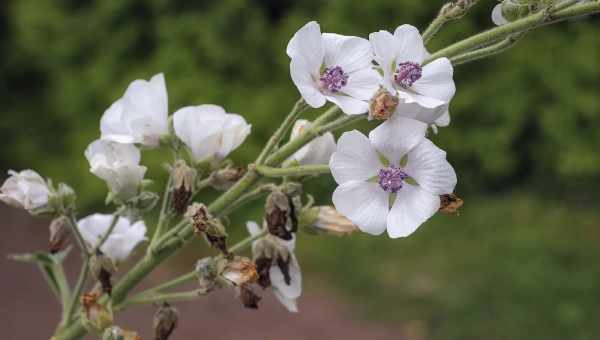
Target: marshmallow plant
391, 179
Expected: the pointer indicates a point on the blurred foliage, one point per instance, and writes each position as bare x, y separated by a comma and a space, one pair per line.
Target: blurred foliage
527, 119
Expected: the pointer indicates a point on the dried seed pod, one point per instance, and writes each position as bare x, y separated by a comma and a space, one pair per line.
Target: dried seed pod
207, 226
102, 268
208, 273
60, 233
198, 216
248, 297
383, 105
165, 321
450, 203
183, 185
280, 215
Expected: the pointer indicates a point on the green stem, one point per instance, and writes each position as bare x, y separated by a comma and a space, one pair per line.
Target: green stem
159, 298
248, 241
180, 280
434, 26
64, 290
163, 212
294, 171
248, 197
488, 51
289, 120
530, 22
78, 237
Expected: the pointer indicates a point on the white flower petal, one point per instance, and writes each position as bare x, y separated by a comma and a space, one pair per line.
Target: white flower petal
349, 105
497, 16
354, 159
423, 114
443, 120
121, 242
427, 164
410, 45
397, 136
412, 207
385, 46
362, 84
294, 288
350, 53
290, 304
25, 190
363, 203
253, 228
436, 80
307, 46
306, 83
318, 151
425, 101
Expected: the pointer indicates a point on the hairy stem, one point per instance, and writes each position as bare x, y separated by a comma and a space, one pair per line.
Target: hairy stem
487, 51
294, 171
530, 22
159, 298
163, 212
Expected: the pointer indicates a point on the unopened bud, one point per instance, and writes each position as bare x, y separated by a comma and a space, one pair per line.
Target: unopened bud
96, 316
211, 228
383, 105
116, 333
280, 215
223, 179
165, 321
326, 219
450, 203
102, 268
145, 201
59, 233
208, 272
248, 297
183, 185
457, 9
240, 271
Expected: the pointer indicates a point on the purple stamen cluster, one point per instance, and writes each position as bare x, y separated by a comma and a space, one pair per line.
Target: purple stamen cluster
407, 73
333, 79
391, 178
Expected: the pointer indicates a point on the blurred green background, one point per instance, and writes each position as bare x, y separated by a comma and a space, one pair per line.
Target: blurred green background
521, 259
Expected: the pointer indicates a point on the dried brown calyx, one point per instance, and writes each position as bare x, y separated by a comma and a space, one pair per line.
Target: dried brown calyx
383, 105
280, 215
248, 297
60, 233
165, 321
450, 203
182, 187
207, 226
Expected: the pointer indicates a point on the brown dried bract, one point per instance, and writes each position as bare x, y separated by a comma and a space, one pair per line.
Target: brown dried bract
263, 265
180, 198
278, 211
248, 297
450, 203
198, 215
165, 321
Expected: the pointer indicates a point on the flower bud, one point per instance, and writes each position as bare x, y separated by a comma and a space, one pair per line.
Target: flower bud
165, 321
450, 203
383, 105
280, 215
102, 268
326, 219
208, 272
211, 228
96, 317
457, 9
223, 179
59, 233
240, 271
183, 178
116, 333
248, 297
25, 190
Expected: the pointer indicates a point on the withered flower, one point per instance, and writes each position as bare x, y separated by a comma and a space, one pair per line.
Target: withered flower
383, 105
223, 179
116, 333
248, 297
102, 268
207, 226
450, 203
240, 271
96, 316
280, 215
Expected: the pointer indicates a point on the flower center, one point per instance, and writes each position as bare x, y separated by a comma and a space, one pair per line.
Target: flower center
391, 178
407, 73
333, 79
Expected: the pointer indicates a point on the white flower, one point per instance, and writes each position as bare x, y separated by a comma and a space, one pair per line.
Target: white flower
118, 165
497, 16
332, 67
401, 57
25, 190
286, 292
318, 151
209, 131
121, 242
140, 116
393, 179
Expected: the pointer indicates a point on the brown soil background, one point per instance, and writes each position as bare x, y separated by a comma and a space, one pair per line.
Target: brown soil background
30, 311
